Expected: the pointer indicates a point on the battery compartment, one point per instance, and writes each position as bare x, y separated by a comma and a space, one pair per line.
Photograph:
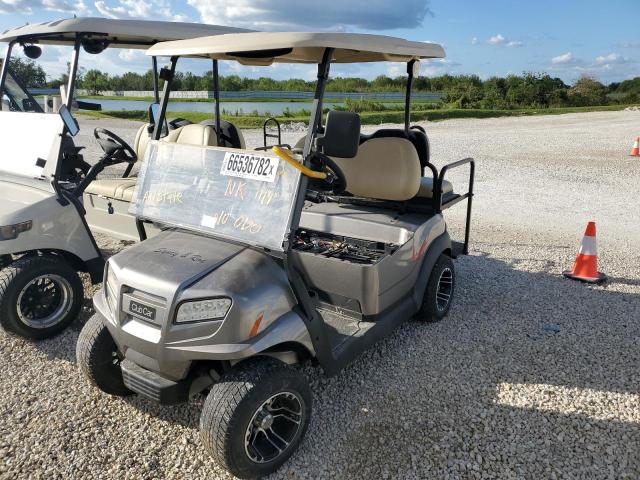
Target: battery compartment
353, 250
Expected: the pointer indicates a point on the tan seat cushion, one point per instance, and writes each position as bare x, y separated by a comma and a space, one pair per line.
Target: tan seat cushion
194, 134
122, 188
386, 168
116, 188
426, 187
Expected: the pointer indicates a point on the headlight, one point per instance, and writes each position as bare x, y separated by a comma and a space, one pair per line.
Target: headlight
111, 288
9, 232
212, 309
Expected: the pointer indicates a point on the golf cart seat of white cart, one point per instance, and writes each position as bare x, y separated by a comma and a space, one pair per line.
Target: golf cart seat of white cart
198, 135
107, 200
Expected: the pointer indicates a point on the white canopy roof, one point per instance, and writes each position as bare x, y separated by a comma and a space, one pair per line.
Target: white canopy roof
121, 33
264, 48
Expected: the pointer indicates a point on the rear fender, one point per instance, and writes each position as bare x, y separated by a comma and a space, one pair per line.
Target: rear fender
440, 245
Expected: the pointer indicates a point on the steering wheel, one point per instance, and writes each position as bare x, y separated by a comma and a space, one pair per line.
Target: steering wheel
116, 150
420, 128
335, 180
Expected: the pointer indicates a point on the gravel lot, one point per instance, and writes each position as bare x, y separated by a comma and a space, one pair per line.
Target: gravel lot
530, 376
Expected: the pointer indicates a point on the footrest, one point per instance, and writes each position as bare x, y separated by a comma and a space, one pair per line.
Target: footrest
153, 386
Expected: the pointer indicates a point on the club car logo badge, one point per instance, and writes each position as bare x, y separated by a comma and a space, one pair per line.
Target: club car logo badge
141, 310
247, 165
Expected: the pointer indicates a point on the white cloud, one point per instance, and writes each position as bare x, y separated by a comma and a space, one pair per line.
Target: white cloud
629, 44
497, 40
500, 39
329, 14
563, 59
438, 66
28, 6
474, 41
131, 55
612, 58
145, 9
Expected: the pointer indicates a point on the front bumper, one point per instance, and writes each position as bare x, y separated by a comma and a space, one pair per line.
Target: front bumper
153, 386
147, 346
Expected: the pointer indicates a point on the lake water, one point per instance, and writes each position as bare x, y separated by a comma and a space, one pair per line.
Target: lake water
273, 108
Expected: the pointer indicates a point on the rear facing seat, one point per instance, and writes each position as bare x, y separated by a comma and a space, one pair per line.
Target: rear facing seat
389, 166
122, 188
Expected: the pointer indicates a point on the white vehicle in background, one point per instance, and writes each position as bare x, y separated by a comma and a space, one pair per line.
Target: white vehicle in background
48, 190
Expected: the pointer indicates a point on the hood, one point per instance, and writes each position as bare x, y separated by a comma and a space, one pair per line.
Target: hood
170, 261
19, 201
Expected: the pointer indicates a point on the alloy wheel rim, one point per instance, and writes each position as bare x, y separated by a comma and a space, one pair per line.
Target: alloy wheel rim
273, 427
444, 290
44, 301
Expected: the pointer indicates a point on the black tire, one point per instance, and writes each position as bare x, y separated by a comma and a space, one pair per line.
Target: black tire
438, 295
236, 402
5, 261
39, 296
98, 358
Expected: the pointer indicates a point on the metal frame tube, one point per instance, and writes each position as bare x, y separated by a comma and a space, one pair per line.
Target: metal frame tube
166, 92
73, 70
5, 69
407, 102
216, 100
315, 120
154, 73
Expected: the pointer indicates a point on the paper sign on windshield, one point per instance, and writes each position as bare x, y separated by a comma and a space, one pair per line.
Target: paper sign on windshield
234, 194
247, 165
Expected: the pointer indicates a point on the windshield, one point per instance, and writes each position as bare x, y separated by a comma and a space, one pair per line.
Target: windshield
17, 98
240, 195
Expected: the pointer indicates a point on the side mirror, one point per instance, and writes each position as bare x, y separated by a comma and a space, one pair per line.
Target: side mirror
72, 125
341, 135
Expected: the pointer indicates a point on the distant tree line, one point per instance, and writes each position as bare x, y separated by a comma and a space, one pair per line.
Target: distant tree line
529, 90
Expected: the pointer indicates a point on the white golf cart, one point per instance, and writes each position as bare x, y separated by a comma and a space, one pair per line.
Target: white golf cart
45, 238
269, 259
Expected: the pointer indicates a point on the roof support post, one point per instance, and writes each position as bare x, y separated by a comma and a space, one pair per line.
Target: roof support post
5, 69
407, 102
167, 76
154, 74
315, 120
216, 100
73, 71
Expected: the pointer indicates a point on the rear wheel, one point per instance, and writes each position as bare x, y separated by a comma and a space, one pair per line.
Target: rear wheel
438, 295
39, 296
99, 359
255, 417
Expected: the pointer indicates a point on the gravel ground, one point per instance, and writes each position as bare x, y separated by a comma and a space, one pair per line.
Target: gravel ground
530, 376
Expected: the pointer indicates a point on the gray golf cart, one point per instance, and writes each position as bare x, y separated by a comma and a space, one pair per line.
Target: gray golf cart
269, 259
50, 198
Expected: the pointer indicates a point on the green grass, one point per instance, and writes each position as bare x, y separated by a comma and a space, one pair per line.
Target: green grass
232, 99
368, 118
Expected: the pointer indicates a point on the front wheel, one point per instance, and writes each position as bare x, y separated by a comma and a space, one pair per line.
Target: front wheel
438, 295
99, 359
5, 261
255, 417
39, 296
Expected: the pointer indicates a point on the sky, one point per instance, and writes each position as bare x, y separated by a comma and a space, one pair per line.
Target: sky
565, 38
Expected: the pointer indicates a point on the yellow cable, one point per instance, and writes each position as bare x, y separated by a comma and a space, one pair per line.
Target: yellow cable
283, 154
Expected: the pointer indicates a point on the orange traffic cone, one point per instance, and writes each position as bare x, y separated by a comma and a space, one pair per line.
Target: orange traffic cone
585, 268
635, 151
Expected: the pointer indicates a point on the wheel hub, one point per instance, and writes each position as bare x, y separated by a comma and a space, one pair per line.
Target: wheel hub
273, 427
444, 290
44, 301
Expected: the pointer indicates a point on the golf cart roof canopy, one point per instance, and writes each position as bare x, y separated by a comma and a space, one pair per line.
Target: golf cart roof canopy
121, 33
265, 48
